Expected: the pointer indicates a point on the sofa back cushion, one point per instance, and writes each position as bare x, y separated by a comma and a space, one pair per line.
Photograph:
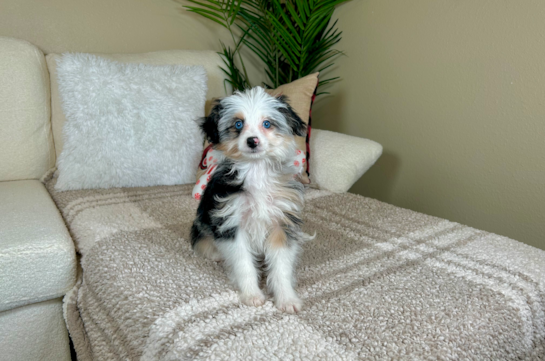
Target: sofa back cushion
207, 58
26, 143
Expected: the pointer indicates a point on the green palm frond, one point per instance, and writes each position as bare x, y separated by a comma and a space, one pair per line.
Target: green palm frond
235, 78
292, 38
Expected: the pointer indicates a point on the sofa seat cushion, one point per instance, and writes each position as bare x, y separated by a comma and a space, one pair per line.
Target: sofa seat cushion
40, 323
37, 257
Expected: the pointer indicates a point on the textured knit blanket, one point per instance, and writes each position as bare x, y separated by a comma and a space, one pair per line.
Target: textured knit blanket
378, 282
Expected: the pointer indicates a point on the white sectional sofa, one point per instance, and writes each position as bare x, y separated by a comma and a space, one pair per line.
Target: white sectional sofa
37, 257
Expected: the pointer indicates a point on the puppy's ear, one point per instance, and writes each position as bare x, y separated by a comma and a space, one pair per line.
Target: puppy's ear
209, 124
298, 127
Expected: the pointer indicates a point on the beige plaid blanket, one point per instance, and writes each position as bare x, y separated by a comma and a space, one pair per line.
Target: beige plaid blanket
378, 282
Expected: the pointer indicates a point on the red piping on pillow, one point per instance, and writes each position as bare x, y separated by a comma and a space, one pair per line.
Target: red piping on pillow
202, 164
309, 129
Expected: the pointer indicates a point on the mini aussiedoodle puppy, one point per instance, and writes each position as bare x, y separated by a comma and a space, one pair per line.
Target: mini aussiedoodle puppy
252, 204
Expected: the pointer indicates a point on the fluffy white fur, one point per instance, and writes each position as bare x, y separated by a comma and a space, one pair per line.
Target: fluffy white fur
129, 125
255, 213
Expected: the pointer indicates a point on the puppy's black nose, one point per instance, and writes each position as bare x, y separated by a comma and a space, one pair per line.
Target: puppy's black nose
252, 142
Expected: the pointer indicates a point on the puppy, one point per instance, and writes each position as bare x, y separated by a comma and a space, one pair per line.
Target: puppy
252, 204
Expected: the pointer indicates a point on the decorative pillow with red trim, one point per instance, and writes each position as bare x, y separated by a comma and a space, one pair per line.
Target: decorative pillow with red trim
301, 94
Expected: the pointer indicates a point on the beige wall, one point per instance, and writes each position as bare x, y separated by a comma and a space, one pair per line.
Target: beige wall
109, 26
455, 92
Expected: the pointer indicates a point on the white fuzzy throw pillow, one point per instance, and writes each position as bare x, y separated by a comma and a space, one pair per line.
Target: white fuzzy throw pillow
129, 125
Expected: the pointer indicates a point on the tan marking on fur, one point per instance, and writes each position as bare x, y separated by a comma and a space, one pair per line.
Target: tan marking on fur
206, 248
239, 115
291, 195
277, 238
230, 149
287, 220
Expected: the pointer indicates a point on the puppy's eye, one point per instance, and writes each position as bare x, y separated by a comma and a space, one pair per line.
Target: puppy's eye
239, 124
266, 124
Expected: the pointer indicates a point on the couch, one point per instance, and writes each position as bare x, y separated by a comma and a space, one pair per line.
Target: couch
37, 256
38, 262
378, 281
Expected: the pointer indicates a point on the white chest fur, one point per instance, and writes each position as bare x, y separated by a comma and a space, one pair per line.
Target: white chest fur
267, 196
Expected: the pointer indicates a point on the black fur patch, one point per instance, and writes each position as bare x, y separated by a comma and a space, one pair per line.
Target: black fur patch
294, 219
222, 184
209, 124
230, 132
291, 232
297, 126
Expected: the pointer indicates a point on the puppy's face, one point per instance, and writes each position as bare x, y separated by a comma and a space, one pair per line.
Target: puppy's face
253, 125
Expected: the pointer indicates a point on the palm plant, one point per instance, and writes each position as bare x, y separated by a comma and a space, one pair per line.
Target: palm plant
293, 38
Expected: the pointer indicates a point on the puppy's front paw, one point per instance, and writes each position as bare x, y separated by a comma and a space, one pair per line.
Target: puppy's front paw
215, 256
291, 305
253, 299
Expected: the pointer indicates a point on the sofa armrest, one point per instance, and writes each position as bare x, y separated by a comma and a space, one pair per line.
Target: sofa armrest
37, 256
338, 160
